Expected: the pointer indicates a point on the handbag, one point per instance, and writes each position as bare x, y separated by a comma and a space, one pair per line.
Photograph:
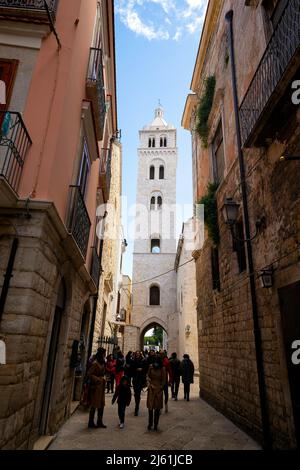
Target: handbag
86, 393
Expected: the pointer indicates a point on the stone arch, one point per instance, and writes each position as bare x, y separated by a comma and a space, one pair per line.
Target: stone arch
151, 323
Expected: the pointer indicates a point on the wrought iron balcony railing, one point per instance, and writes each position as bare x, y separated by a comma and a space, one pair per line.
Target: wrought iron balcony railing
105, 171
95, 89
14, 144
95, 266
280, 53
78, 221
32, 10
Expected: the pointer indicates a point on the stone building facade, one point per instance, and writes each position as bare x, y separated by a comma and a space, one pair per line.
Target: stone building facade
186, 294
53, 174
154, 301
113, 244
270, 129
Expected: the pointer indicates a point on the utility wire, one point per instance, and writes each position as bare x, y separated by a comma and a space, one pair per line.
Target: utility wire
159, 275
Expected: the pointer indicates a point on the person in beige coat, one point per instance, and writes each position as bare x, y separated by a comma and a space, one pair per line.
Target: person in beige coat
156, 380
96, 374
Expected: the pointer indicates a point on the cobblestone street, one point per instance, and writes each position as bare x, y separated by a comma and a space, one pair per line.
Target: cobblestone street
187, 426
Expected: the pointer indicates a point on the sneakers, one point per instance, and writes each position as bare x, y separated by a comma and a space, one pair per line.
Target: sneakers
176, 399
121, 426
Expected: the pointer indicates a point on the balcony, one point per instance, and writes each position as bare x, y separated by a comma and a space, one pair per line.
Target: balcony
78, 221
14, 144
28, 10
275, 71
105, 172
95, 270
95, 89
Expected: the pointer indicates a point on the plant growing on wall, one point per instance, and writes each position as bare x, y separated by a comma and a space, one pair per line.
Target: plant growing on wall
204, 109
211, 212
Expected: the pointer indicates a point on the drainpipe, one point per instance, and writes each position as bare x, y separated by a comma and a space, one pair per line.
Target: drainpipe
267, 444
8, 275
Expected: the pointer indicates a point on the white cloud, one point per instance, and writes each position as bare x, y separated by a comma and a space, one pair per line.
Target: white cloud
162, 19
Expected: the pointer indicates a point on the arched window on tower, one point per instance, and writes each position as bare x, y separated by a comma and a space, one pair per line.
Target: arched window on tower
152, 172
150, 142
159, 202
154, 295
165, 142
152, 204
161, 172
161, 142
153, 142
155, 245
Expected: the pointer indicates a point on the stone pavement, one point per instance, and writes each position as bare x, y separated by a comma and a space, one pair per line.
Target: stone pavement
189, 425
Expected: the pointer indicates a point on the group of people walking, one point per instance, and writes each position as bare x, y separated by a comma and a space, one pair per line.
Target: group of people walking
138, 370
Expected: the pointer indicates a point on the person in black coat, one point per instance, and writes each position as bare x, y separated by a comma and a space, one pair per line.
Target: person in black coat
139, 370
176, 371
187, 372
123, 397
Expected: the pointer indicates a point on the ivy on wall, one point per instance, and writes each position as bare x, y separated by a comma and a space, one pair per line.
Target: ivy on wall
204, 109
211, 212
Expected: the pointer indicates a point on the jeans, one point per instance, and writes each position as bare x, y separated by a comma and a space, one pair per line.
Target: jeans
175, 387
121, 412
110, 383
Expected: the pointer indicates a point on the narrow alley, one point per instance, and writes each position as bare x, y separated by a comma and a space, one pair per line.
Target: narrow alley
187, 426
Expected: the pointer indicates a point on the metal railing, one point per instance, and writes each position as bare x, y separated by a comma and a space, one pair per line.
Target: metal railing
109, 343
95, 75
280, 51
78, 222
31, 6
14, 144
95, 270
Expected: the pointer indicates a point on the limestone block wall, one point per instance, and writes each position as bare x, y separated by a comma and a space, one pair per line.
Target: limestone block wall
26, 327
186, 299
130, 341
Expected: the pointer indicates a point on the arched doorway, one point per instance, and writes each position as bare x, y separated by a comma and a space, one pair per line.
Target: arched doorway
154, 336
52, 357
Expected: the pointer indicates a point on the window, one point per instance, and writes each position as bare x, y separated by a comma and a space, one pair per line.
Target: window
150, 143
154, 295
215, 269
8, 71
239, 246
155, 245
159, 202
163, 141
152, 172
85, 166
218, 155
152, 204
153, 142
161, 172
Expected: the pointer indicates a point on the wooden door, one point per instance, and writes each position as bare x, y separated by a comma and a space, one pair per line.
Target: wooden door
290, 311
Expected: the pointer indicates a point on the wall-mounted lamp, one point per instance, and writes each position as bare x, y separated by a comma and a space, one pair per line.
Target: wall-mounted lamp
230, 212
188, 329
285, 158
267, 277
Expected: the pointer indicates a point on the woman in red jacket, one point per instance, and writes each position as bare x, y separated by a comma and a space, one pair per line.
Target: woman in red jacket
169, 377
110, 373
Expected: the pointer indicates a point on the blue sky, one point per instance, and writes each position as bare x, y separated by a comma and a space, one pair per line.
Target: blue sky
156, 47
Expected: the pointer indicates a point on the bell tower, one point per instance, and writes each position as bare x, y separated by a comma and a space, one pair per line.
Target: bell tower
154, 295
